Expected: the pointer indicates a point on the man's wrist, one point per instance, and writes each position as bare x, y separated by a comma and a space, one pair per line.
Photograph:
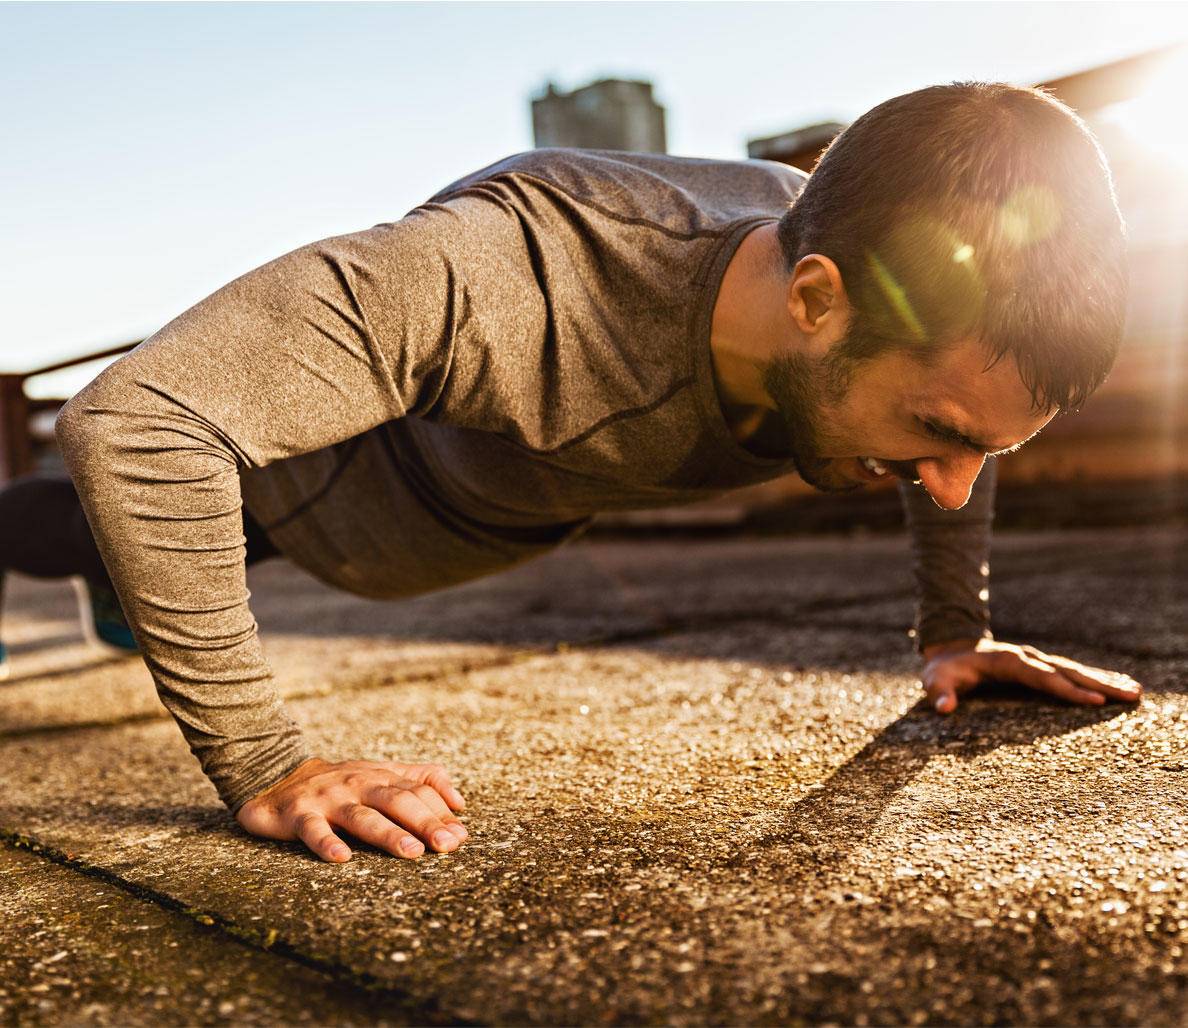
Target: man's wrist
936, 649
940, 630
263, 784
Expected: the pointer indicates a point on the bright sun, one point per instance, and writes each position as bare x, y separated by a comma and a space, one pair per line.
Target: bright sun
1156, 118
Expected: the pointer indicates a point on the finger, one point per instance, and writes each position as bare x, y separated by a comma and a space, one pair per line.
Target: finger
441, 782
372, 827
406, 808
1109, 683
1043, 677
382, 797
434, 775
432, 799
315, 831
1113, 689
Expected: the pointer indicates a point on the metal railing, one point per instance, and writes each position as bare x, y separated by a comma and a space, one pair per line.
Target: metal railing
19, 437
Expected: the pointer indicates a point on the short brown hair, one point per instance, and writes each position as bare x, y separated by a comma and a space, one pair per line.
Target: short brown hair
973, 208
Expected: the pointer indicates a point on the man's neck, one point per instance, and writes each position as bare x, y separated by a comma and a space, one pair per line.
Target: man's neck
759, 430
750, 321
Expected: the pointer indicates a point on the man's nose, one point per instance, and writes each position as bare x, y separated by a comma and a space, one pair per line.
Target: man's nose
949, 480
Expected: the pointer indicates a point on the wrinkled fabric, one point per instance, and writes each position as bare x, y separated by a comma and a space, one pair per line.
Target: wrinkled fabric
422, 402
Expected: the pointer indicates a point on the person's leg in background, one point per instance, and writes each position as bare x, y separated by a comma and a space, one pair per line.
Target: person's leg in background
45, 534
256, 542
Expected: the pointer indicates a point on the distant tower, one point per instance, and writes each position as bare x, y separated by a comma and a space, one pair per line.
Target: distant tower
610, 114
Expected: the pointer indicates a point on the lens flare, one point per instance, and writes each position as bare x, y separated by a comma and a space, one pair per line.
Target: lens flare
895, 295
926, 274
1030, 215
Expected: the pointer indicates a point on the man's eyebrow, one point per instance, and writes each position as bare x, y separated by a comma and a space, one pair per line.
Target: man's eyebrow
943, 428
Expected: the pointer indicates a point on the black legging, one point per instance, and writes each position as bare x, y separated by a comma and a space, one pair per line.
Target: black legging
44, 532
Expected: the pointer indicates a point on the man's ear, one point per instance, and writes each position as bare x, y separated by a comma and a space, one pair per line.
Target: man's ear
817, 302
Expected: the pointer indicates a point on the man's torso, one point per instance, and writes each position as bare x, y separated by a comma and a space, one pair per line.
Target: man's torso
579, 376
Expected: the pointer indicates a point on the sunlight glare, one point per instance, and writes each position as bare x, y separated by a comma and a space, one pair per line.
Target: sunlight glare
1155, 119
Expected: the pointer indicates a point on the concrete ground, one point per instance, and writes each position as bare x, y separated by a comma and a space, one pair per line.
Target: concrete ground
702, 789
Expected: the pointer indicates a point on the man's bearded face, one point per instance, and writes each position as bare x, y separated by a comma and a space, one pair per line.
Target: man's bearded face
809, 396
804, 390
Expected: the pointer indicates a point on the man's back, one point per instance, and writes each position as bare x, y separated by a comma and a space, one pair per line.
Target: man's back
571, 376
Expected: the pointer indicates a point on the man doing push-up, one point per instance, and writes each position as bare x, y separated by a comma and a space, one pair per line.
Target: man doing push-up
566, 332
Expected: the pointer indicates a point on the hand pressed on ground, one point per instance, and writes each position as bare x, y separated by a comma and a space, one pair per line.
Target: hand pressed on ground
954, 668
400, 808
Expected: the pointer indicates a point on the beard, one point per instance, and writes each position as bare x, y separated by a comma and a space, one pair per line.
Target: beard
801, 389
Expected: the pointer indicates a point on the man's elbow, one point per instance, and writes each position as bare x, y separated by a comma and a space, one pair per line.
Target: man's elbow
76, 428
90, 428
121, 430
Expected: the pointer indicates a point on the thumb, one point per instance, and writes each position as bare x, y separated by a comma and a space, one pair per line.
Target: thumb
944, 700
946, 678
941, 690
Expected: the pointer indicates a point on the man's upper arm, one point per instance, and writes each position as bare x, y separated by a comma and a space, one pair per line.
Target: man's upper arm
309, 349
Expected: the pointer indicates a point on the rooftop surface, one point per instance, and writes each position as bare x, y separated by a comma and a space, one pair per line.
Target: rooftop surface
701, 789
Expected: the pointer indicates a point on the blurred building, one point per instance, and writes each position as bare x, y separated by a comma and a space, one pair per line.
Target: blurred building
1136, 426
800, 147
610, 114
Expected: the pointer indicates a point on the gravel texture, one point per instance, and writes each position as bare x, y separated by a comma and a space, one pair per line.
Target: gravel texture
89, 952
701, 785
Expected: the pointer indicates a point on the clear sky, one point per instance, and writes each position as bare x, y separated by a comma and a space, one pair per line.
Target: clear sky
153, 152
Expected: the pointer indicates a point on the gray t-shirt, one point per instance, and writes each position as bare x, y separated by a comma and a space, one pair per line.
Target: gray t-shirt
429, 400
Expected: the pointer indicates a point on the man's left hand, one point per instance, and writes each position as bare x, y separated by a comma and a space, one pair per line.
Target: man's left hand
954, 668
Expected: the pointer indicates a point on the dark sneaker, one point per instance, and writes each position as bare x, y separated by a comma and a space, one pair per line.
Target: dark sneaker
102, 615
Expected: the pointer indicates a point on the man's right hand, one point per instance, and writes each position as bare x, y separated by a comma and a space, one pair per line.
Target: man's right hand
400, 808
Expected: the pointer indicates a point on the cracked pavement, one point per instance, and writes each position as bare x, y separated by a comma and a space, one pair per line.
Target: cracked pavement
701, 789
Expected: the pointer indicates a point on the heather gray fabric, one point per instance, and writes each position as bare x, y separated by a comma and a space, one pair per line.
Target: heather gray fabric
952, 562
424, 402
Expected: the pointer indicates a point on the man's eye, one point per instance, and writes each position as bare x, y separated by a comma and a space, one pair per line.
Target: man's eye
933, 431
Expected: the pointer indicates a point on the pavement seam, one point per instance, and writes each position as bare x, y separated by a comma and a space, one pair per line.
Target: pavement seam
263, 940
367, 682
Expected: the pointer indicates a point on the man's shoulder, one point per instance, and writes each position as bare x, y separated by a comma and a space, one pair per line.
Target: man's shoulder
603, 176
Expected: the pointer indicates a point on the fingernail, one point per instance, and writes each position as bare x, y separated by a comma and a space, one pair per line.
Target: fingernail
411, 845
443, 838
456, 798
459, 830
339, 852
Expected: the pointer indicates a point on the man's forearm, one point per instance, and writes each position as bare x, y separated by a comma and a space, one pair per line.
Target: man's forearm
314, 347
162, 497
951, 552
